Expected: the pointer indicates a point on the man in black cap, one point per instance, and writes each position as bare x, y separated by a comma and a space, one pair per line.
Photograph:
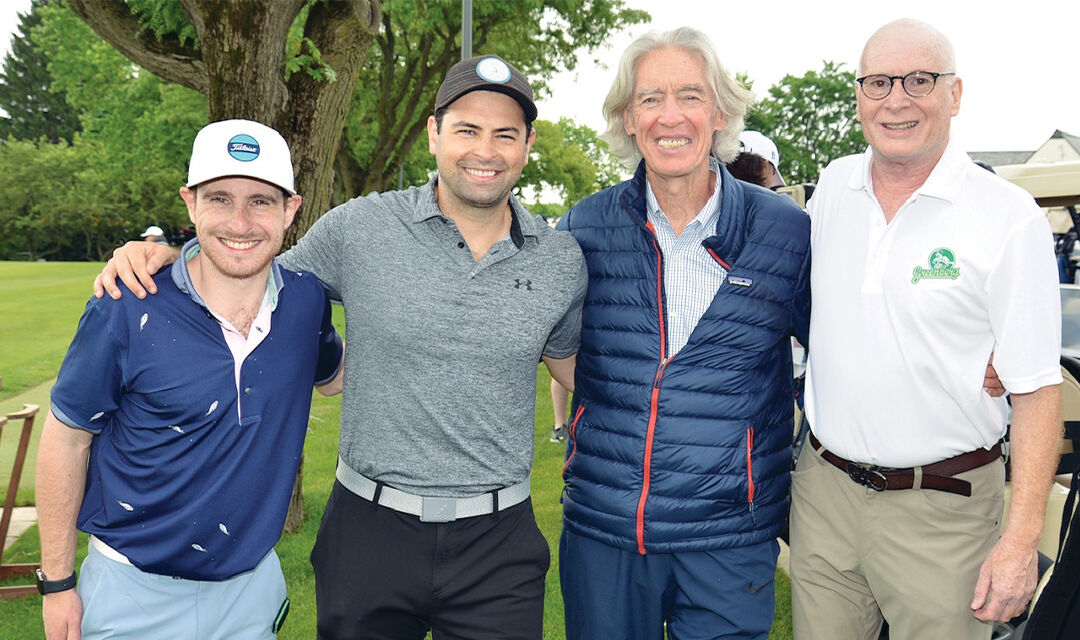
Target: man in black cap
452, 292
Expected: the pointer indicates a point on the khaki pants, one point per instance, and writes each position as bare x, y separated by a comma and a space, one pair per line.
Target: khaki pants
912, 556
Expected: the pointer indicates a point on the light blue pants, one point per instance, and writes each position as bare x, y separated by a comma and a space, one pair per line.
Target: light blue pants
121, 602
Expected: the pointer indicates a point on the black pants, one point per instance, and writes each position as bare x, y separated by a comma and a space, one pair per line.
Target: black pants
381, 574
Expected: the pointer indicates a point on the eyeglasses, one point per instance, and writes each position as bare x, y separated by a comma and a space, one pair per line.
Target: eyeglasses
916, 84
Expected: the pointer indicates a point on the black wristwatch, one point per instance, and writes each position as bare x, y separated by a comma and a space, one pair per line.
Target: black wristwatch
45, 586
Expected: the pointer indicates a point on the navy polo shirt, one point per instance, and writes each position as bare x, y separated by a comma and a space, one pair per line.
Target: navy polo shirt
190, 474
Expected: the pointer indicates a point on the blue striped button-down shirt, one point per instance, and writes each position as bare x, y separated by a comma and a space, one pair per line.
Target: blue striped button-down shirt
691, 276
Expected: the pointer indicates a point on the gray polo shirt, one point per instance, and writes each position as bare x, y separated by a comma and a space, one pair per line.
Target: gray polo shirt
442, 351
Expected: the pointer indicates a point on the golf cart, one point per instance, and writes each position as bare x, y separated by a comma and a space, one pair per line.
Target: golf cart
1056, 187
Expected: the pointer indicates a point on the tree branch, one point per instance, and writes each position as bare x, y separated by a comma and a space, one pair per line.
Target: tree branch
166, 58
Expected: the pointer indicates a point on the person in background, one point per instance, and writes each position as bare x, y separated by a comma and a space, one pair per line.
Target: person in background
758, 161
154, 233
560, 398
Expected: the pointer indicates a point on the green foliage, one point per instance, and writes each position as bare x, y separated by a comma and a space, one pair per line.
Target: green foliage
309, 59
567, 160
421, 39
303, 54
811, 118
35, 110
120, 175
40, 208
164, 17
124, 169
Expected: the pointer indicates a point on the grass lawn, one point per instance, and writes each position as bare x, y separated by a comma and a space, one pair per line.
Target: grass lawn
40, 305
43, 340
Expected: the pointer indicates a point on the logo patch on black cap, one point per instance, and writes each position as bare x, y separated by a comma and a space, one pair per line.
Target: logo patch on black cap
493, 70
243, 148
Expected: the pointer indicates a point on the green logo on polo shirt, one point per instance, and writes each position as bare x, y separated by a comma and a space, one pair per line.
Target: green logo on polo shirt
942, 267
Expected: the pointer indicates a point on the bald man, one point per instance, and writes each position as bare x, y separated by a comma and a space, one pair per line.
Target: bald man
924, 265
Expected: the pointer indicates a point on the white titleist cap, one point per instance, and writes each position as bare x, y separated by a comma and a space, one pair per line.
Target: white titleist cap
758, 144
240, 148
152, 230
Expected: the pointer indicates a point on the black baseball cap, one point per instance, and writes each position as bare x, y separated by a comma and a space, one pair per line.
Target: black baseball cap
486, 73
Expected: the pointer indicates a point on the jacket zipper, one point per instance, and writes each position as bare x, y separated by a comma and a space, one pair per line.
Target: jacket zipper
655, 396
573, 438
716, 257
750, 467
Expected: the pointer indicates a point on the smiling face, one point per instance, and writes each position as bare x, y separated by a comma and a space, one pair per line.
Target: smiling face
480, 147
906, 131
240, 223
672, 113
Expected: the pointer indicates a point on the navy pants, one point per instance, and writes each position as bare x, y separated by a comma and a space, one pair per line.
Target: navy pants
618, 594
385, 575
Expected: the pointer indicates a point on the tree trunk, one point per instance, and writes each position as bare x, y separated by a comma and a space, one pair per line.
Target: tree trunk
295, 518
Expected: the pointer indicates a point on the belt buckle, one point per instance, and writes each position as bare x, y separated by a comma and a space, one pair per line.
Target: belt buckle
438, 509
867, 476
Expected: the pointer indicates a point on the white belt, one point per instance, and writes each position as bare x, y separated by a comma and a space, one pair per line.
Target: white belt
430, 508
107, 551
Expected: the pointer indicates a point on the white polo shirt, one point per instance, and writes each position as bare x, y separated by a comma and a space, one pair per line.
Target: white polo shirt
906, 314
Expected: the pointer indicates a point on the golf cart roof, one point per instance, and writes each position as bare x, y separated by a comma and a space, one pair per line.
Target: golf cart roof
1052, 185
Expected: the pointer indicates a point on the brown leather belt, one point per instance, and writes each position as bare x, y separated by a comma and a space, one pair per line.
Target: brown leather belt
937, 476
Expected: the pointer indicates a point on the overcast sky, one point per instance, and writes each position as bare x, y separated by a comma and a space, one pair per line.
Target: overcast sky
1020, 63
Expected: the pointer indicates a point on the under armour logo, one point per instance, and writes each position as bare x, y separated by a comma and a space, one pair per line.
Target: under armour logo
519, 284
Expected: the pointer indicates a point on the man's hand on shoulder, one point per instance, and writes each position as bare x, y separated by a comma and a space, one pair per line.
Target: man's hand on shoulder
62, 614
135, 263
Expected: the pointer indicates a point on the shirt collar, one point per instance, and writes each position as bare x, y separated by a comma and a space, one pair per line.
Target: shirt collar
709, 213
182, 277
522, 223
944, 181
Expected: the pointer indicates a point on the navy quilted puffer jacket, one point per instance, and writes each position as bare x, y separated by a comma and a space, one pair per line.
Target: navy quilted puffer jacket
690, 452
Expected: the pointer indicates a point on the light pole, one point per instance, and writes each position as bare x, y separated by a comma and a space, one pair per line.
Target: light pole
466, 29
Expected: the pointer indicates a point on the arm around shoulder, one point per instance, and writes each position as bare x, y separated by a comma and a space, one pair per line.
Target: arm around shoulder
135, 263
562, 370
334, 385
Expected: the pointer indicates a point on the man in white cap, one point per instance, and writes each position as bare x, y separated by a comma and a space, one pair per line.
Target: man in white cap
155, 234
758, 161
453, 293
192, 407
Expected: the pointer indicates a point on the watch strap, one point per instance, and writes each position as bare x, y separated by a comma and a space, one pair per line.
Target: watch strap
46, 586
